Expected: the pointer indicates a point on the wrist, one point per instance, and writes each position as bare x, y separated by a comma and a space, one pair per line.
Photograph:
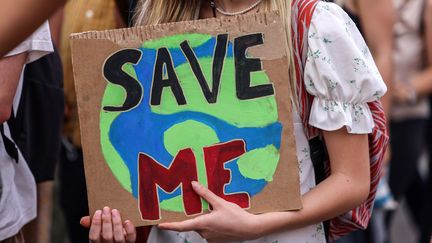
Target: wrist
262, 225
269, 223
257, 226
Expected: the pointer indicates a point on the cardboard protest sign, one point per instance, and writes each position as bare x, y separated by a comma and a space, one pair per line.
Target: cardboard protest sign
208, 101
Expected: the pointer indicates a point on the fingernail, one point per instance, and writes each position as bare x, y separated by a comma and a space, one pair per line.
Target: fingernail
115, 213
195, 184
98, 213
106, 210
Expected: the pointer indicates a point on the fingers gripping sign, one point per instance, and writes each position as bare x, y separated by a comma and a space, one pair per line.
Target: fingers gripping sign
129, 231
118, 234
106, 226
227, 221
96, 227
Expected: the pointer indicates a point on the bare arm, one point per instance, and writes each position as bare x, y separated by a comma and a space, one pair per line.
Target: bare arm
25, 19
55, 23
377, 17
344, 189
428, 30
10, 69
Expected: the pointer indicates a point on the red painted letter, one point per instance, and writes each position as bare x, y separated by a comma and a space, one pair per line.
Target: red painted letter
217, 176
181, 172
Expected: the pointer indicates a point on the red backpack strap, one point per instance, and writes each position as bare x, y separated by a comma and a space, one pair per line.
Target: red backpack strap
302, 11
358, 218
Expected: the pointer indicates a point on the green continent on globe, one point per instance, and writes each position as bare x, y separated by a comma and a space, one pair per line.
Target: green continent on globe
174, 204
259, 163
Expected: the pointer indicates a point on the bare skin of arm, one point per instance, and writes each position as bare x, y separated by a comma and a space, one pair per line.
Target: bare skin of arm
428, 30
55, 23
10, 69
344, 189
25, 19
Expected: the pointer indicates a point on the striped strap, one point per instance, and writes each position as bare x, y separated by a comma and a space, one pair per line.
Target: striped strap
302, 11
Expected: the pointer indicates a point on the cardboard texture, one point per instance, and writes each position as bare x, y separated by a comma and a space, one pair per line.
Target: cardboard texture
207, 100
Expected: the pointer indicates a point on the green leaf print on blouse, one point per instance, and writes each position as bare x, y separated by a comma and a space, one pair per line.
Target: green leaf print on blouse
353, 84
360, 65
358, 112
332, 85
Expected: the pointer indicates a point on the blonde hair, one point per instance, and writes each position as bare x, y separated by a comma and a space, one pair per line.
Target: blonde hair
152, 12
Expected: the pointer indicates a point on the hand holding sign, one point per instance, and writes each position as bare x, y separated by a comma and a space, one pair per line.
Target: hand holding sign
227, 221
106, 226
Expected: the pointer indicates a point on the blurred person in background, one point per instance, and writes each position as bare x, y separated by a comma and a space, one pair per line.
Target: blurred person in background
37, 130
17, 184
413, 85
409, 109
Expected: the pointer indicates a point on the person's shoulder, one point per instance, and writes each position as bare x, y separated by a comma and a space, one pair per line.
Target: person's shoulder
330, 19
330, 10
300, 5
322, 13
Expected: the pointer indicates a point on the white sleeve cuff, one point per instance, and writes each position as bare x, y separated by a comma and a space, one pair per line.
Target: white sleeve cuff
330, 115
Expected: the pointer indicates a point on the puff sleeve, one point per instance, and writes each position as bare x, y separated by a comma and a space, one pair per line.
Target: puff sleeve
340, 73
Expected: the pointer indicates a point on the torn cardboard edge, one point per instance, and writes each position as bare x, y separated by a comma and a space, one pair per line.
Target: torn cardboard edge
143, 33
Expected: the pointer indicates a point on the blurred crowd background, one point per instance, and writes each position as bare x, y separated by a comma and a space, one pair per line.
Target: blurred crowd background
399, 34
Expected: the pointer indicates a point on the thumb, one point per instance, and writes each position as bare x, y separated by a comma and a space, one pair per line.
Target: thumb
85, 221
208, 195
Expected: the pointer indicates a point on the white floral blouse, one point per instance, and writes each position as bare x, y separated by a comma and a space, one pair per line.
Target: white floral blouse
343, 77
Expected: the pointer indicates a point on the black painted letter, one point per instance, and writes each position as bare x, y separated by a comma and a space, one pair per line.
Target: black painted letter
163, 79
218, 60
244, 66
113, 73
